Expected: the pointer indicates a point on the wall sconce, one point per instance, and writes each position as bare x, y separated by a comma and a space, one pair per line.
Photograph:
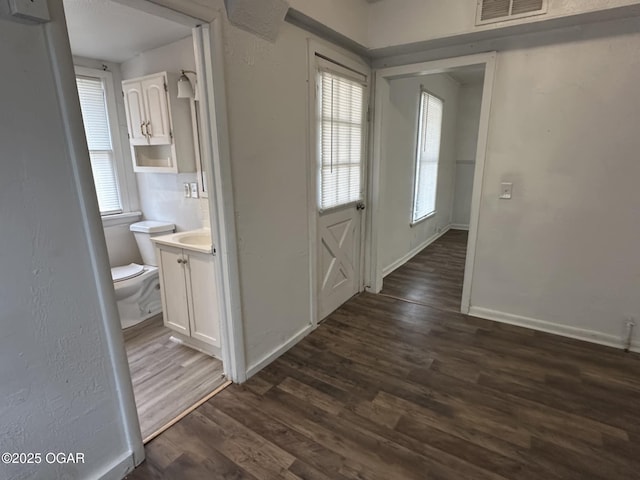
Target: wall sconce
186, 89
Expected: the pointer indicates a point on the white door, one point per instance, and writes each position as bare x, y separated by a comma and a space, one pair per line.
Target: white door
174, 290
340, 134
203, 293
134, 108
157, 108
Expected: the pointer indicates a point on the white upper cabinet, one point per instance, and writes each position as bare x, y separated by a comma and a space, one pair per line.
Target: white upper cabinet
136, 118
157, 108
159, 124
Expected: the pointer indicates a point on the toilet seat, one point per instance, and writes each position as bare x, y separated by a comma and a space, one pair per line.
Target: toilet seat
119, 274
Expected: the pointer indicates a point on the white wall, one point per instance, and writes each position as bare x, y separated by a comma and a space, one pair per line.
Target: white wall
162, 194
400, 22
121, 244
469, 103
267, 109
564, 129
346, 17
58, 389
400, 126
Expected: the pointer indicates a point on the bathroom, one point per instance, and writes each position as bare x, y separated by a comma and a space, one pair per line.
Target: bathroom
150, 183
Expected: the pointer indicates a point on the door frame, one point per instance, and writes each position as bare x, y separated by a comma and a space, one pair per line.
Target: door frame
382, 77
191, 13
207, 25
354, 62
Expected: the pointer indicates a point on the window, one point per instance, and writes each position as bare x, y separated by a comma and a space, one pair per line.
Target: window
340, 137
427, 156
91, 91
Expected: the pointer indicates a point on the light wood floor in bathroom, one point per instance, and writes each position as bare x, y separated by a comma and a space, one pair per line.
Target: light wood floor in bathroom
168, 378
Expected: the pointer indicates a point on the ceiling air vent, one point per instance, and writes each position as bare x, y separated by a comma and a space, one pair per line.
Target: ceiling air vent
500, 10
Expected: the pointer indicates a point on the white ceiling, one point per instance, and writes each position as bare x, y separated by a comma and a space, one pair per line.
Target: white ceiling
105, 30
467, 75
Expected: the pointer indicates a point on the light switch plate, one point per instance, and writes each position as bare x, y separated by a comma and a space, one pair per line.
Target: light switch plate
187, 190
194, 190
34, 10
505, 190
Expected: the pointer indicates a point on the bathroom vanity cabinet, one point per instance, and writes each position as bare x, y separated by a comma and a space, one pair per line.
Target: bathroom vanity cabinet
190, 296
159, 124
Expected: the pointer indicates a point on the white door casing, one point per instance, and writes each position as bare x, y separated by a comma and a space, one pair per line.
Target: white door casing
338, 231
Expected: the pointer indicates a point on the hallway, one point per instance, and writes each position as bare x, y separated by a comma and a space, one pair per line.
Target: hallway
387, 389
434, 276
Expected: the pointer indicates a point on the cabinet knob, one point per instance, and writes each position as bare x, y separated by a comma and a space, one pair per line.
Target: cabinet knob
180, 260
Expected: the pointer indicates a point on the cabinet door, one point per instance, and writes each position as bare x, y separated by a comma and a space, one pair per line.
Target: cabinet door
155, 99
204, 314
174, 290
134, 108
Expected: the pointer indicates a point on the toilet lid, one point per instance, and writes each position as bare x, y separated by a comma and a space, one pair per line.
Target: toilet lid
126, 272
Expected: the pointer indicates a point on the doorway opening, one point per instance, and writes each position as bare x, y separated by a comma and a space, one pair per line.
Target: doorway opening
144, 88
430, 138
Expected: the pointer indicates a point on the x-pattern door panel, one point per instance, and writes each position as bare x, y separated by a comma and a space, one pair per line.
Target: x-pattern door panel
339, 258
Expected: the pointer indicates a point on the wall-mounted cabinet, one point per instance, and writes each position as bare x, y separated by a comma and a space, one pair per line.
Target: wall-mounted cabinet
159, 124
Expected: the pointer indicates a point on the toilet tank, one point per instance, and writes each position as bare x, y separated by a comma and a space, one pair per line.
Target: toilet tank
143, 232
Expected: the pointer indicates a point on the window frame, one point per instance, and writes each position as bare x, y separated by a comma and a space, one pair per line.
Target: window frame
332, 66
119, 161
416, 160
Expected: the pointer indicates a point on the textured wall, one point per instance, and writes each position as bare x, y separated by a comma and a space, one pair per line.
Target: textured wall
564, 129
57, 385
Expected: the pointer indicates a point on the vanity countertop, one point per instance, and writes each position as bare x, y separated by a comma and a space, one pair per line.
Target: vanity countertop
196, 240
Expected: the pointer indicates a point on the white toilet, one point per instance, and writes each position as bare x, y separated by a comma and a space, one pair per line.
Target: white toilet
138, 286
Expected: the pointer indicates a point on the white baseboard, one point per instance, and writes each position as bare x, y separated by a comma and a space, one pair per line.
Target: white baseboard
405, 258
459, 226
118, 469
554, 328
278, 351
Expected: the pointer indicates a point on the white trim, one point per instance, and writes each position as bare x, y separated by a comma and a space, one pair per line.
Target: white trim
382, 76
216, 151
583, 334
413, 252
120, 219
278, 351
459, 226
118, 469
478, 180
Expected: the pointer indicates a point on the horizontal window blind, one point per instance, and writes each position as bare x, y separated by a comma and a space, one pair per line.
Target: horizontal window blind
428, 156
340, 130
96, 127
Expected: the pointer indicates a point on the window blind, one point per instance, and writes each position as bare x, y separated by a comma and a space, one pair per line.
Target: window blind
340, 130
428, 156
96, 127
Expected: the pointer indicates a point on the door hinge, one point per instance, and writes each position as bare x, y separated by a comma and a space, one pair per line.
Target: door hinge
368, 114
166, 88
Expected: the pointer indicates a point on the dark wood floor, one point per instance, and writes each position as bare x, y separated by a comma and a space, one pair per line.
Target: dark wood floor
434, 276
387, 389
167, 377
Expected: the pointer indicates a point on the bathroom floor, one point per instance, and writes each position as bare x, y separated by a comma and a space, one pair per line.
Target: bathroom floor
168, 378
